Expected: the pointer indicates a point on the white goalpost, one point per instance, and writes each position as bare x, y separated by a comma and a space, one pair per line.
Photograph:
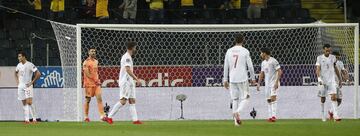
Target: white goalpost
191, 56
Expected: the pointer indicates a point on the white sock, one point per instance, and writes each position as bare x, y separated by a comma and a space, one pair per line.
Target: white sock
235, 105
322, 111
242, 105
26, 112
32, 112
269, 110
133, 112
273, 108
116, 108
334, 109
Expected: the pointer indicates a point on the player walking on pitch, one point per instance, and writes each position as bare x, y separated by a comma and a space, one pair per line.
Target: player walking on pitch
344, 77
325, 71
127, 85
270, 68
236, 65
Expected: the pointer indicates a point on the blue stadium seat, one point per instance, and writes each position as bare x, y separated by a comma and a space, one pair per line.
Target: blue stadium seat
229, 21
260, 21
28, 24
22, 43
195, 21
243, 21
276, 21
302, 13
178, 21
3, 35
16, 34
5, 43
269, 13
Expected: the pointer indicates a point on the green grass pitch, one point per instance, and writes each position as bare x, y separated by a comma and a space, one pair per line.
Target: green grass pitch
185, 128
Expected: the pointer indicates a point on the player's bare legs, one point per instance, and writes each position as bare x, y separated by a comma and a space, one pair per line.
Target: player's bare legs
322, 101
133, 112
86, 107
100, 104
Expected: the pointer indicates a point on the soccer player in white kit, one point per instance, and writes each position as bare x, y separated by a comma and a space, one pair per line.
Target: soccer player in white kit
325, 71
236, 65
23, 76
270, 68
127, 85
344, 77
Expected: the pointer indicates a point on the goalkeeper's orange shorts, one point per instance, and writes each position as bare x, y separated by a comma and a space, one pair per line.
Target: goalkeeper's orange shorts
92, 91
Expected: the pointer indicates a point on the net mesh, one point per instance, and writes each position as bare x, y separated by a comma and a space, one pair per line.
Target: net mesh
193, 57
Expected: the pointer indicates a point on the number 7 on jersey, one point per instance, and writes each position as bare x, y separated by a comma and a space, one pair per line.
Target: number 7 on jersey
236, 58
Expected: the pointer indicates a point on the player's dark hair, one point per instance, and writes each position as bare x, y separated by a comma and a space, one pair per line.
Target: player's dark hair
326, 46
336, 53
22, 53
92, 47
266, 50
130, 45
239, 38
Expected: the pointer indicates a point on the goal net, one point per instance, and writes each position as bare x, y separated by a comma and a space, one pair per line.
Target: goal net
191, 56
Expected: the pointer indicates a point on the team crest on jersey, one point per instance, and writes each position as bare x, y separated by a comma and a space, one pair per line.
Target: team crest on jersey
127, 60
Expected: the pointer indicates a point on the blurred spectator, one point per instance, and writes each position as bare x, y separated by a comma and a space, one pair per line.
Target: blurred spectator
187, 8
156, 14
102, 13
129, 8
57, 9
37, 7
254, 9
213, 8
89, 10
172, 9
235, 4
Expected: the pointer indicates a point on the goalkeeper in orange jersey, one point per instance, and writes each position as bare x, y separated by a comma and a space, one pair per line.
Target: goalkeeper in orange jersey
92, 84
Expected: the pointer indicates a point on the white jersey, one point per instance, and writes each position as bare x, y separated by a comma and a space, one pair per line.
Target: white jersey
124, 77
327, 70
269, 67
25, 72
236, 64
340, 67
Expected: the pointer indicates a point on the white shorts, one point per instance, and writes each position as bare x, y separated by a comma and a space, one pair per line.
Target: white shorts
326, 90
239, 90
127, 90
271, 91
25, 92
338, 92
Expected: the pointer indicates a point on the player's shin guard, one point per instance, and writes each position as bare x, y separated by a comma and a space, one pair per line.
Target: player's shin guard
116, 108
335, 109
273, 108
242, 105
26, 112
133, 112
